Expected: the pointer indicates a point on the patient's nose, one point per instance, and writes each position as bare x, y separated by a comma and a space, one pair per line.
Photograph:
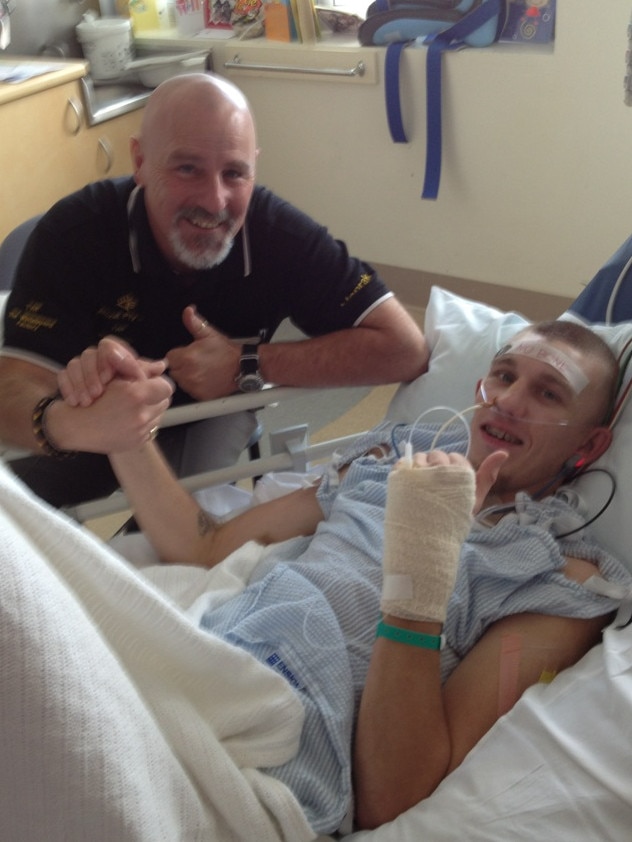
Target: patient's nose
512, 400
506, 398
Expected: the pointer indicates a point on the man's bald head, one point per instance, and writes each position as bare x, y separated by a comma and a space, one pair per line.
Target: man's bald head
195, 157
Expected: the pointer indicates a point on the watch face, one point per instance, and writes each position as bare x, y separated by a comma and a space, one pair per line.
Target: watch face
251, 382
249, 378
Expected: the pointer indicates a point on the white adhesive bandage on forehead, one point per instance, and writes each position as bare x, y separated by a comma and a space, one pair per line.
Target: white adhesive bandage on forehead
540, 350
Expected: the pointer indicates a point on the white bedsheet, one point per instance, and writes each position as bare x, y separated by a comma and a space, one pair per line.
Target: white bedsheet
556, 767
119, 719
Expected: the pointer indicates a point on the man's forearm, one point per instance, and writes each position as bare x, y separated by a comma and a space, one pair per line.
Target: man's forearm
386, 347
20, 391
355, 357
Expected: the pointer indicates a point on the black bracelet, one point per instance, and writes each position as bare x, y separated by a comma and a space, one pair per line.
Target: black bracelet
42, 438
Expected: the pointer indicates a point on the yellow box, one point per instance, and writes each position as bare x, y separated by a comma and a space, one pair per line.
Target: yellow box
147, 14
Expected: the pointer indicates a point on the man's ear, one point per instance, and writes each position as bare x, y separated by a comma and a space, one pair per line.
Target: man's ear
477, 391
596, 444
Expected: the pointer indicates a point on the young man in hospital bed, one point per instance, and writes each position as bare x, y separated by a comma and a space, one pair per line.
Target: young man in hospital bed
470, 615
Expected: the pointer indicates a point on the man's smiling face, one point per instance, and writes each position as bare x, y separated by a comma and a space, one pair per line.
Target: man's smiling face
196, 160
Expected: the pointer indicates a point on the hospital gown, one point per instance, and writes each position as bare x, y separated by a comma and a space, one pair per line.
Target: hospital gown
311, 612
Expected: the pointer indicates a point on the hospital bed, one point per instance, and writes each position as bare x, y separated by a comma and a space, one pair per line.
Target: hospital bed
114, 725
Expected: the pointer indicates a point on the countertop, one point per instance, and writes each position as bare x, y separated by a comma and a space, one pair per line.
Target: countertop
210, 39
59, 71
67, 70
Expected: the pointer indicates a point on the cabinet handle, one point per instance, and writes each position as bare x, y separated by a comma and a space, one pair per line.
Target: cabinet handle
238, 64
106, 147
74, 109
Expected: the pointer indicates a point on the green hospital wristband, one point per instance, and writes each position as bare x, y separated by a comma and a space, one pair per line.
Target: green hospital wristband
411, 638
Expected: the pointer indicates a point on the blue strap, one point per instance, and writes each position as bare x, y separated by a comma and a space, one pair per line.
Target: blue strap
434, 129
449, 39
391, 89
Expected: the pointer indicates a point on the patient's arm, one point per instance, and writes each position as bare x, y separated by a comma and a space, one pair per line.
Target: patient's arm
412, 732
183, 533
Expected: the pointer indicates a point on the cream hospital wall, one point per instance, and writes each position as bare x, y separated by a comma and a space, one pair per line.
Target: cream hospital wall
536, 189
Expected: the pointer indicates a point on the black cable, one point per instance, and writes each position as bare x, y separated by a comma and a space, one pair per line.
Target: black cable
542, 491
601, 510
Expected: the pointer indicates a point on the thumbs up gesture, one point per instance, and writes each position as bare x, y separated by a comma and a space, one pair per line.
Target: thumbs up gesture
207, 367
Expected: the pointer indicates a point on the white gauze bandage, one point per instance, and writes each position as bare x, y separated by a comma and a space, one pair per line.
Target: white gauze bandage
428, 516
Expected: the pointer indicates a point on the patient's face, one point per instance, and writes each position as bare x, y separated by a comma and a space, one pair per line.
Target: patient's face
539, 407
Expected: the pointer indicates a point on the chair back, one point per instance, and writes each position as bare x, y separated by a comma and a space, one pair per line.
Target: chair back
11, 250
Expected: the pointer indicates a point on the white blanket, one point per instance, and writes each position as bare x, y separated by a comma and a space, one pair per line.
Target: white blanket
119, 718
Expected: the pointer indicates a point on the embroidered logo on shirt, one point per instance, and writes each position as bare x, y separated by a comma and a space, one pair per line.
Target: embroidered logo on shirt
31, 318
365, 279
123, 313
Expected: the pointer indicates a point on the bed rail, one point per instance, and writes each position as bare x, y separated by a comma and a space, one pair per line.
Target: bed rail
290, 452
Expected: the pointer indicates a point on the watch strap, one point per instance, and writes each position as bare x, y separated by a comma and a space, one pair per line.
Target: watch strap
249, 360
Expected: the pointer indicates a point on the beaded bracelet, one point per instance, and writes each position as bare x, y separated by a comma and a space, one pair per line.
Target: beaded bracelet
411, 638
42, 437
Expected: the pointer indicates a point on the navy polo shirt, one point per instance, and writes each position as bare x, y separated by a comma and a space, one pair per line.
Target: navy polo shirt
92, 268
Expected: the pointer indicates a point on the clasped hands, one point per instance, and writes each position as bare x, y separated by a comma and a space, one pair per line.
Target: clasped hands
123, 396
113, 400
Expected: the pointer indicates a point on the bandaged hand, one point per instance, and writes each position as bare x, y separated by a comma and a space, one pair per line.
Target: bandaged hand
428, 515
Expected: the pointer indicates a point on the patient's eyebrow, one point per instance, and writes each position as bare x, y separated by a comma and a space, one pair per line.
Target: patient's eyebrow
554, 379
547, 376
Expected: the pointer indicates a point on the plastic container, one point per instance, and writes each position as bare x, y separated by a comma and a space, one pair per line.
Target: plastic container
189, 17
107, 45
152, 71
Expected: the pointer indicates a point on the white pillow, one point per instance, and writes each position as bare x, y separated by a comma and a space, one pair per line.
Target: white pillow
463, 336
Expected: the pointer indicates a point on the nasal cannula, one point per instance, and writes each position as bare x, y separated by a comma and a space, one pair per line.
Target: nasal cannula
455, 414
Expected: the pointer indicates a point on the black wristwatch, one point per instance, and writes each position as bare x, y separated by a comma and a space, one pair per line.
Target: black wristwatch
249, 378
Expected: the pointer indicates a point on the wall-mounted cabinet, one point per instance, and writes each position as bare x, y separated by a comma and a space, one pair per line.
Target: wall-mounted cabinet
49, 150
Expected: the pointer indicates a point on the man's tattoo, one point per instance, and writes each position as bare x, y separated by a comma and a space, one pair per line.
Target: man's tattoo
205, 522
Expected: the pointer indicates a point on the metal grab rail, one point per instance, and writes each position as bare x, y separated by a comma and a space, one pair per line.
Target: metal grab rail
238, 64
